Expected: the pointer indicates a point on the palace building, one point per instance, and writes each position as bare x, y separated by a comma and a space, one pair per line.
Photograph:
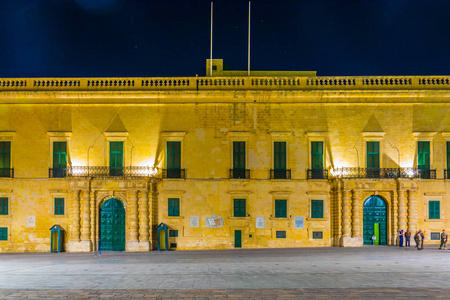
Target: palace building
271, 160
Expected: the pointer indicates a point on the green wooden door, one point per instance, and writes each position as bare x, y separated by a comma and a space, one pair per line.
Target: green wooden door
237, 239
112, 225
375, 212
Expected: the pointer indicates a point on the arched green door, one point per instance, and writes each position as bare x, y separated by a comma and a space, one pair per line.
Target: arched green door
375, 220
112, 225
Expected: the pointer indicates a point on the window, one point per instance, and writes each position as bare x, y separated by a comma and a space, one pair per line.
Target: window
435, 236
5, 159
59, 206
317, 155
423, 160
448, 155
239, 160
317, 209
3, 233
434, 209
174, 207
317, 235
3, 206
279, 153
173, 159
239, 208
280, 234
280, 208
238, 155
116, 158
173, 245
373, 155
59, 155
173, 233
59, 159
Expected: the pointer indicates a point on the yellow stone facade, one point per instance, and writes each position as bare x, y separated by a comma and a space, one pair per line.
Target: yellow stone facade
206, 115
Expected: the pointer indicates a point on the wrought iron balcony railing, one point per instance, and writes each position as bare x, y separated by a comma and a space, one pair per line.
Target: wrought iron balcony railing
174, 173
239, 174
97, 171
7, 172
280, 174
57, 173
383, 173
317, 174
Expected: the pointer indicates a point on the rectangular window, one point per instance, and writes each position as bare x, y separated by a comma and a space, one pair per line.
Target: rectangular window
423, 160
238, 155
280, 208
173, 233
279, 153
173, 155
5, 159
59, 155
116, 158
280, 234
173, 245
435, 236
239, 208
317, 209
3, 233
3, 206
373, 155
317, 155
59, 206
174, 207
448, 156
434, 208
317, 235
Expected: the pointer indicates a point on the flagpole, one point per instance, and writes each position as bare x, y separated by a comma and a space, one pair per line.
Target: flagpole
249, 7
211, 46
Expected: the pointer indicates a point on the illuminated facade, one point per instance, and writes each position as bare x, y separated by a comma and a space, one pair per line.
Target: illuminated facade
261, 161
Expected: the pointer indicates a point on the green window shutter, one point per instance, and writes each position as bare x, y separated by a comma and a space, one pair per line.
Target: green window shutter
60, 155
434, 209
116, 154
279, 155
238, 155
3, 233
239, 208
3, 206
448, 156
423, 160
373, 154
280, 208
317, 209
174, 207
5, 155
317, 155
173, 155
59, 206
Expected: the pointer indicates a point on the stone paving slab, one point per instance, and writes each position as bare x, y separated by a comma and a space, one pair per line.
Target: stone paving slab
342, 293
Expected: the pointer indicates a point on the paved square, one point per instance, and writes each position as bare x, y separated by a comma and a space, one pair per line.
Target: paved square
368, 272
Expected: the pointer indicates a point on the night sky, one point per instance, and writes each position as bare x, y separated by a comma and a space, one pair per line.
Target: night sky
87, 38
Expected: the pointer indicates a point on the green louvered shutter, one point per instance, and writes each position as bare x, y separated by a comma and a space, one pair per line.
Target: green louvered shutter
174, 207
239, 208
373, 154
423, 160
280, 208
317, 209
317, 155
279, 155
434, 208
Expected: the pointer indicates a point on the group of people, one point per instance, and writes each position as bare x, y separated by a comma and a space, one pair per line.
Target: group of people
419, 237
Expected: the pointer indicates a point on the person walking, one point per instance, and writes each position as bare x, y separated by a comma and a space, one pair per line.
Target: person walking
400, 235
407, 238
419, 240
444, 239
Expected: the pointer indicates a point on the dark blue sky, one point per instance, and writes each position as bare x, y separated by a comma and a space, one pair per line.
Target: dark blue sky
58, 38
